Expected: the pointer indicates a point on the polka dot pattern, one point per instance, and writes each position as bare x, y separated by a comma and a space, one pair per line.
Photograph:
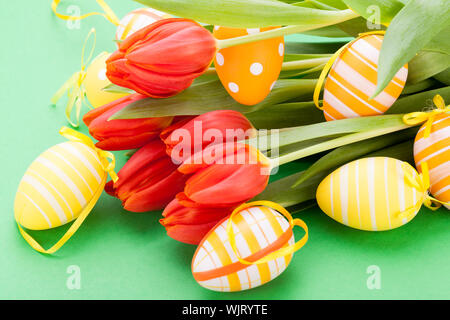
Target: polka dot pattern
249, 71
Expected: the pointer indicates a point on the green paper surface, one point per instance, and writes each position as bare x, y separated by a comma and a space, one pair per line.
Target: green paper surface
127, 255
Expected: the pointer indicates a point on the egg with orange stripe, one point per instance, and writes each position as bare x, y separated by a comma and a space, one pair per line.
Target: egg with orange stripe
372, 194
61, 185
248, 71
435, 151
256, 232
138, 19
353, 78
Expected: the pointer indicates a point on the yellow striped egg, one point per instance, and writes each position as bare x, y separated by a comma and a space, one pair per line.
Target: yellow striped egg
352, 81
58, 185
435, 151
138, 19
370, 194
258, 231
96, 80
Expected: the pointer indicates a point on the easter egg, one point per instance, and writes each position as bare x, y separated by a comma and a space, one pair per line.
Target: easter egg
352, 81
58, 186
138, 19
248, 71
371, 194
96, 80
435, 151
257, 231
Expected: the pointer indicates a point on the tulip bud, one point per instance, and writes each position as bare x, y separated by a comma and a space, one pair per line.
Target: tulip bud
148, 181
225, 174
189, 224
162, 59
184, 138
122, 134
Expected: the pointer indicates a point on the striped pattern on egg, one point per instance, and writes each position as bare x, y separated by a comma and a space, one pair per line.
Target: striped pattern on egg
369, 194
435, 151
58, 185
138, 19
257, 230
352, 81
248, 71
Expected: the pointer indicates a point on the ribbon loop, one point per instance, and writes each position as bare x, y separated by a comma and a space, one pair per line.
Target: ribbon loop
108, 13
415, 118
330, 63
74, 86
284, 251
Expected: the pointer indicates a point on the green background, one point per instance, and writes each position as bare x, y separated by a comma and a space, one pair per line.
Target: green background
127, 255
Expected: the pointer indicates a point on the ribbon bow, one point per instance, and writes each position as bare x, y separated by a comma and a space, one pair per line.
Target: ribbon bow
74, 86
415, 118
284, 251
330, 62
421, 183
107, 158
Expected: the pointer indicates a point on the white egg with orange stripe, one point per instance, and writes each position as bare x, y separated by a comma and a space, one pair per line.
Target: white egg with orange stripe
434, 149
138, 19
257, 231
353, 78
373, 194
61, 185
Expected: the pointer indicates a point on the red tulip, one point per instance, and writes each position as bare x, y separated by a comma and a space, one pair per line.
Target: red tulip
184, 138
122, 134
225, 174
162, 59
190, 224
148, 181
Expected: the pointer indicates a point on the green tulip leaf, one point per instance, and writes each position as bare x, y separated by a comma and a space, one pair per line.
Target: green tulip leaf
426, 64
249, 13
444, 77
384, 10
419, 101
415, 25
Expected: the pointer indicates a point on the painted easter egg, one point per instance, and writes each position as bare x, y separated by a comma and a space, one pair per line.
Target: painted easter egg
96, 80
372, 194
249, 71
352, 81
435, 151
138, 19
257, 231
58, 186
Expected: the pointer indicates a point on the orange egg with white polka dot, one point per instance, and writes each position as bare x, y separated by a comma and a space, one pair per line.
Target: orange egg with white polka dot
248, 71
352, 81
435, 151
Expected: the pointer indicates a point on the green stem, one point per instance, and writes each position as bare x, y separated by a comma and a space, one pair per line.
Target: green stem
347, 139
221, 44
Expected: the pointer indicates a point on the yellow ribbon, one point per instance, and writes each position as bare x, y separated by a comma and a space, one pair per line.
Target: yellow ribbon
415, 118
74, 86
330, 62
73, 135
104, 156
276, 254
421, 183
109, 14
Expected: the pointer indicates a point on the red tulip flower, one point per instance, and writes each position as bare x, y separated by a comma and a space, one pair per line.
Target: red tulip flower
149, 180
185, 138
225, 174
162, 59
189, 224
122, 134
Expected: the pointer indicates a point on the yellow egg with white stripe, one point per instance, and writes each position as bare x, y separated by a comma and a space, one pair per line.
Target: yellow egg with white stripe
257, 231
58, 185
373, 194
353, 78
138, 19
